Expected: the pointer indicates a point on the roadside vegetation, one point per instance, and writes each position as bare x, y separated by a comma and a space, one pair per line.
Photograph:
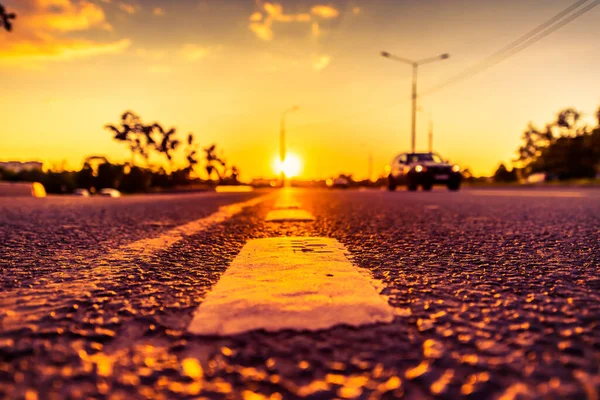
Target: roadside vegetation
6, 19
155, 164
566, 149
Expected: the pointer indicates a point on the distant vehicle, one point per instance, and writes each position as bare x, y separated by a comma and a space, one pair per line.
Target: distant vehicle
81, 193
338, 183
540, 177
425, 170
107, 192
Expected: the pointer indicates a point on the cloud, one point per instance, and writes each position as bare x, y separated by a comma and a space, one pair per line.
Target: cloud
320, 62
193, 52
45, 33
62, 16
275, 12
128, 8
27, 52
263, 31
159, 12
325, 12
262, 25
256, 16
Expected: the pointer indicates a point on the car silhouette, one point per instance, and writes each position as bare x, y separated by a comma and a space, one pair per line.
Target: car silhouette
81, 192
109, 192
425, 170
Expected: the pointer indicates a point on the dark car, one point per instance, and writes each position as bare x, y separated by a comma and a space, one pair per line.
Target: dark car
425, 170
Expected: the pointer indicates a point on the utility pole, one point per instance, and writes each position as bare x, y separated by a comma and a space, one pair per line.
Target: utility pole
413, 130
415, 70
370, 170
431, 136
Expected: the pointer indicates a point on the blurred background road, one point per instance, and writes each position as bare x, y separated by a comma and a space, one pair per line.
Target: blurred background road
496, 293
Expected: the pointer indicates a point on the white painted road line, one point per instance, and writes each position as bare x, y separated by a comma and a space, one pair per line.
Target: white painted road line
51, 291
527, 193
234, 189
286, 205
297, 283
146, 247
284, 215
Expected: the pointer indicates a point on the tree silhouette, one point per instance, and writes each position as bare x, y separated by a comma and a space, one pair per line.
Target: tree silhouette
567, 118
93, 162
467, 174
167, 143
136, 180
529, 148
566, 149
191, 151
5, 18
234, 174
109, 176
568, 123
84, 178
142, 139
214, 163
502, 174
134, 133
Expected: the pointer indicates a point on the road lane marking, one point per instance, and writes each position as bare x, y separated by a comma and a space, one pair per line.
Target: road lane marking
146, 247
287, 199
300, 283
22, 306
527, 193
286, 205
234, 189
284, 215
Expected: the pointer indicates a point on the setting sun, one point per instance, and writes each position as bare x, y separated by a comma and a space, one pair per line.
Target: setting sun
240, 191
291, 166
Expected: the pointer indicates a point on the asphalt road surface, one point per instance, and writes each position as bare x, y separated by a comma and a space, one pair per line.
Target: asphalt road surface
495, 294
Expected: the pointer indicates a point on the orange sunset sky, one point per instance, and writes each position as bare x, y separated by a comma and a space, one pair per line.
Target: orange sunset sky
227, 69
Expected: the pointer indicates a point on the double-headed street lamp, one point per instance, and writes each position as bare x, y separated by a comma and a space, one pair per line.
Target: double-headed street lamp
415, 66
282, 146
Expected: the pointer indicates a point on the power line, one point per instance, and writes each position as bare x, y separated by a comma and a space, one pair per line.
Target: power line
533, 36
546, 28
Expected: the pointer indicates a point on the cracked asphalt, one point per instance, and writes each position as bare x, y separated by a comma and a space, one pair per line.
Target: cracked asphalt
497, 296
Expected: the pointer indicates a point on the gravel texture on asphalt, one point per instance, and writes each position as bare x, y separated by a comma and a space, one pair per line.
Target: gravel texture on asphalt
497, 297
45, 235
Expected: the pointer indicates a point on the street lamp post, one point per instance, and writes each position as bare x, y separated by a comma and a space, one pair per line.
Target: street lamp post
415, 70
282, 145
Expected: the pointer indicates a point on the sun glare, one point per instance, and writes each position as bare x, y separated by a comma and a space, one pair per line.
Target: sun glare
291, 166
